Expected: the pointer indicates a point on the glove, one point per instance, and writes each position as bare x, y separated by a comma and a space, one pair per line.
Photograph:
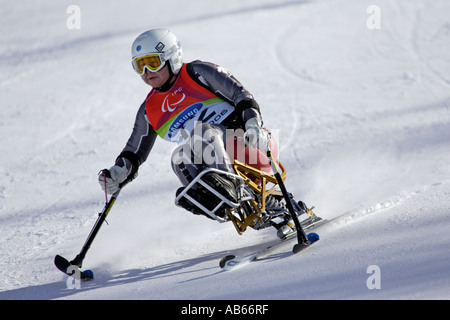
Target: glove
256, 137
111, 179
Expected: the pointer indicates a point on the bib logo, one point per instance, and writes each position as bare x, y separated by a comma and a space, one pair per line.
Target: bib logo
197, 112
166, 105
184, 116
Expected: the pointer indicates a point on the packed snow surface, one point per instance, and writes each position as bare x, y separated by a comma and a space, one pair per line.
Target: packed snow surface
358, 90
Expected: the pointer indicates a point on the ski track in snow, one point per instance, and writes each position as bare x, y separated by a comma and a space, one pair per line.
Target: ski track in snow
367, 143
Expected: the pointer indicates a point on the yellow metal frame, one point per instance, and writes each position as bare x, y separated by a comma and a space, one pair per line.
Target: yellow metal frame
259, 182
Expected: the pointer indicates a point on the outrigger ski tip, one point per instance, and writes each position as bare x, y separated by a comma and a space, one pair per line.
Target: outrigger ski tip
72, 270
312, 237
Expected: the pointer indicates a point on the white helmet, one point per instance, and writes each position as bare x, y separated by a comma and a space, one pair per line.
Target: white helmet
162, 42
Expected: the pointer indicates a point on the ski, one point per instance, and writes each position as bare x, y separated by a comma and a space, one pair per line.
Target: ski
312, 223
72, 270
233, 262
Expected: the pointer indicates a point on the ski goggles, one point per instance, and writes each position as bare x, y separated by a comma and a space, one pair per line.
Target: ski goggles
153, 62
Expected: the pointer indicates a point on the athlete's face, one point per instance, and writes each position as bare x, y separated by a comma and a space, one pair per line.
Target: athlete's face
156, 79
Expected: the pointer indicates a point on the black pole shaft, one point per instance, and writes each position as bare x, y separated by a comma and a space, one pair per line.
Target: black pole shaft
80, 257
301, 236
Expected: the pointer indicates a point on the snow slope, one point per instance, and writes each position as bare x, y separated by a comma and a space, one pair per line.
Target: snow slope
364, 124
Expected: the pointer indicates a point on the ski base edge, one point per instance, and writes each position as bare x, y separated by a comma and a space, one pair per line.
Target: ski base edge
230, 262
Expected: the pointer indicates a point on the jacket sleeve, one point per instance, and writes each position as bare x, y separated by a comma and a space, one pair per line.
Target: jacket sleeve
220, 81
140, 142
